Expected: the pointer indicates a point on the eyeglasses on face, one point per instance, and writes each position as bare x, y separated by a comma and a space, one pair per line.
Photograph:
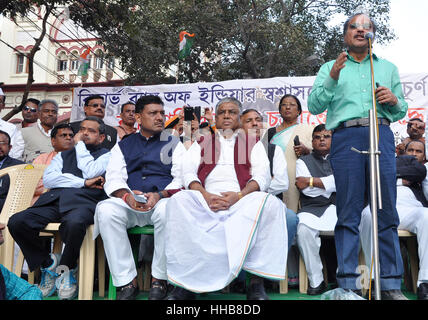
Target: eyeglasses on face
319, 136
364, 26
31, 109
96, 105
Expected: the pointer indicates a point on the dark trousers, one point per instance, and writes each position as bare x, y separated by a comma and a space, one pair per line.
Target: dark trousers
351, 173
26, 225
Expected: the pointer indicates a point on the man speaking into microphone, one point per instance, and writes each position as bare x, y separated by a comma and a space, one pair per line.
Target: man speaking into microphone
343, 88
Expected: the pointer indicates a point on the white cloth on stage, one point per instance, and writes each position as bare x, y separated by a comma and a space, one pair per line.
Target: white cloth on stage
206, 250
308, 239
425, 183
113, 217
413, 217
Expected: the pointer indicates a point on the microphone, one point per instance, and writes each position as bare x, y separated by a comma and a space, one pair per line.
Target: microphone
368, 35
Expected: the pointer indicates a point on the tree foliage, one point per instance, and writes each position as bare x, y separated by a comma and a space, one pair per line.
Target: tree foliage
234, 38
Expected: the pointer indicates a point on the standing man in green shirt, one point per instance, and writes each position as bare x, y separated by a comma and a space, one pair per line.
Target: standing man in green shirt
343, 88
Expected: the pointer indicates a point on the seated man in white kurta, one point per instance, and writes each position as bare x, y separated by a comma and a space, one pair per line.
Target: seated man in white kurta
147, 162
412, 207
225, 222
314, 179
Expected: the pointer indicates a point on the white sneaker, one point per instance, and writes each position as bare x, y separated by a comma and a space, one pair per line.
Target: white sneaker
48, 277
66, 284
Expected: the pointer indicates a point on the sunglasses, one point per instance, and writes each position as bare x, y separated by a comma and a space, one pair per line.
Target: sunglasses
364, 26
96, 105
27, 108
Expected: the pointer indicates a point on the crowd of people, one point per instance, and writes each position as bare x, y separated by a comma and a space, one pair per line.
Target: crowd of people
226, 195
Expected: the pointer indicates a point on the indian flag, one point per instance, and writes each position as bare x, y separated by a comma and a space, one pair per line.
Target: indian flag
84, 63
186, 40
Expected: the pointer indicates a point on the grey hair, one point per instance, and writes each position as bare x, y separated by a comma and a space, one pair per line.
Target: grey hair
231, 100
47, 101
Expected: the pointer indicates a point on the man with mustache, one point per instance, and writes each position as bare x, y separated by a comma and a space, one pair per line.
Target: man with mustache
75, 182
38, 138
127, 114
95, 107
415, 130
225, 222
146, 163
314, 179
343, 87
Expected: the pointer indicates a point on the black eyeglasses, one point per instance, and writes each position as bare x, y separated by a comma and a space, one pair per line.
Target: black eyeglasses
96, 105
27, 108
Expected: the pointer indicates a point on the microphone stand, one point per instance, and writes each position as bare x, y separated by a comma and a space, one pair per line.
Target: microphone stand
375, 187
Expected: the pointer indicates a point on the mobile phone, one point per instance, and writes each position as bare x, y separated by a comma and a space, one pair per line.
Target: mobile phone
98, 182
188, 113
197, 111
296, 140
140, 197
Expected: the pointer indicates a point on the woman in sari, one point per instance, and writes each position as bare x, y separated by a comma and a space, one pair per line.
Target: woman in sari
284, 135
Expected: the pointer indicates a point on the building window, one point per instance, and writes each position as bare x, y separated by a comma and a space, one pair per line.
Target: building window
62, 62
62, 65
20, 62
74, 61
111, 63
99, 59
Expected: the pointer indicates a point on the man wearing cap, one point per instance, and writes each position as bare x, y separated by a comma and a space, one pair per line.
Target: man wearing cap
343, 87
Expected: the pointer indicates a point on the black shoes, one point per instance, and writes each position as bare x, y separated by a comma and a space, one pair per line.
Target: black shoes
127, 292
181, 294
392, 295
256, 291
423, 291
318, 290
158, 290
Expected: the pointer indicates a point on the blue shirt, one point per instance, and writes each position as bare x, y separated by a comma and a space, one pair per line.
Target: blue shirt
19, 289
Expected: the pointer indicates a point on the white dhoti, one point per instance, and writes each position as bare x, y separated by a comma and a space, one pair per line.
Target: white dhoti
309, 242
206, 250
415, 219
112, 220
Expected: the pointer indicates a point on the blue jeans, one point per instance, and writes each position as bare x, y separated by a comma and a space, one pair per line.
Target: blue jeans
292, 221
351, 172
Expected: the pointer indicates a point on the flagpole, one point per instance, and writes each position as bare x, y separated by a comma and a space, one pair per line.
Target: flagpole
178, 68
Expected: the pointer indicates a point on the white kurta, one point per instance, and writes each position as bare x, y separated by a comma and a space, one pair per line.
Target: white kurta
113, 217
328, 220
308, 239
206, 250
413, 217
279, 182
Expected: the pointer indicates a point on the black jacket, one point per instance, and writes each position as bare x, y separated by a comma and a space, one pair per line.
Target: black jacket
5, 181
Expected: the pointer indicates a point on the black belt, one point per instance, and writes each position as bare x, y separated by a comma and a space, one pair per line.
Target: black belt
361, 122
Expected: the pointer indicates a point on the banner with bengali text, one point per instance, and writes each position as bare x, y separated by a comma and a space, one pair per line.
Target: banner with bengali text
260, 94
